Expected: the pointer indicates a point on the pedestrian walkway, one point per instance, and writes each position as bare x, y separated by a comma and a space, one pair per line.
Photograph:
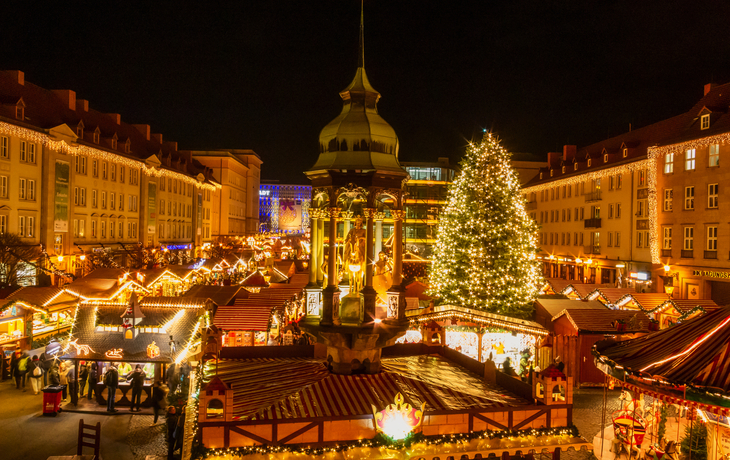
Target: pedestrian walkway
147, 441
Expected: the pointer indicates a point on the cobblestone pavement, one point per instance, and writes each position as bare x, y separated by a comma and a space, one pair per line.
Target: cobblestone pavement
147, 441
588, 407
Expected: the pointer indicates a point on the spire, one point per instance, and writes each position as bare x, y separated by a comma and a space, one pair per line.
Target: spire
362, 37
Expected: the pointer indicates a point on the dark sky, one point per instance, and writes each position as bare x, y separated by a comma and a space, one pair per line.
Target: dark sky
265, 74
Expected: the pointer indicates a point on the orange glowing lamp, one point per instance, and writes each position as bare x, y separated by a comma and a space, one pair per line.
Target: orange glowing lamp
398, 420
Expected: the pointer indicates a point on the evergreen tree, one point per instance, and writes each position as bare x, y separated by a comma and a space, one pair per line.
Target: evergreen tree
484, 256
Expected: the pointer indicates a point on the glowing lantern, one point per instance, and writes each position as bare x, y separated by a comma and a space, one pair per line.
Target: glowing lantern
398, 420
153, 351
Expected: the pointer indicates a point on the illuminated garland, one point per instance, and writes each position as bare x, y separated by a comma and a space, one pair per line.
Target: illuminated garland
383, 441
467, 317
63, 147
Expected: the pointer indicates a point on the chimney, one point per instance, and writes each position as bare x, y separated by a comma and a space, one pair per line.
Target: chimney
116, 117
66, 96
144, 129
553, 158
17, 75
708, 88
172, 145
82, 104
569, 152
157, 137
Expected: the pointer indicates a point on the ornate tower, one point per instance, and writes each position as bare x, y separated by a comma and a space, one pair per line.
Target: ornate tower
356, 179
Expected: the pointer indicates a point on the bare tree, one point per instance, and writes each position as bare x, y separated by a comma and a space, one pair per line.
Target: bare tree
14, 256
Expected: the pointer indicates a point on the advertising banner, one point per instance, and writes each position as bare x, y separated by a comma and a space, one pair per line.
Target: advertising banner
290, 216
60, 214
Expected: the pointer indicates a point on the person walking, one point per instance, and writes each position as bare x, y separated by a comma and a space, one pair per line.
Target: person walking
93, 379
111, 380
22, 372
83, 377
172, 419
63, 375
14, 358
159, 399
45, 366
137, 378
35, 370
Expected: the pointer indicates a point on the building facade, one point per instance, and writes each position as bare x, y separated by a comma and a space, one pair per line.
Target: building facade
284, 207
77, 180
235, 206
642, 209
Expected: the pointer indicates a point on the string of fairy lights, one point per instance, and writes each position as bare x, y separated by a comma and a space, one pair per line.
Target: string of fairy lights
84, 150
485, 253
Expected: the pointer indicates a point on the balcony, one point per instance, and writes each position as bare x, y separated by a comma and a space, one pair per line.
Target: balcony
593, 196
666, 253
710, 254
591, 250
594, 222
687, 254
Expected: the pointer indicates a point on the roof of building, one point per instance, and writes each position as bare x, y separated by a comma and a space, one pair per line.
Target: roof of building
555, 306
46, 109
221, 295
310, 390
244, 317
601, 321
470, 315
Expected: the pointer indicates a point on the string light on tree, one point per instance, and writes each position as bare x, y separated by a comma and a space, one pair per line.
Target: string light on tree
484, 256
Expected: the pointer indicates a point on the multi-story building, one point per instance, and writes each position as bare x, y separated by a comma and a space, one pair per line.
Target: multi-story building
693, 235
78, 180
235, 206
642, 209
284, 207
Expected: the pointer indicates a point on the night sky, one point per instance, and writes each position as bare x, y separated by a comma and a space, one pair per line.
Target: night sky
265, 74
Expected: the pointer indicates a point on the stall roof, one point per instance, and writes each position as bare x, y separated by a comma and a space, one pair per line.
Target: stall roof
134, 350
555, 306
649, 301
443, 312
600, 321
221, 295
310, 390
243, 317
612, 294
43, 297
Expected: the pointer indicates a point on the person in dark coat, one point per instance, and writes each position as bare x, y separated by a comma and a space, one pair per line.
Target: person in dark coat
111, 380
137, 377
172, 419
46, 365
83, 377
54, 378
14, 359
159, 399
93, 379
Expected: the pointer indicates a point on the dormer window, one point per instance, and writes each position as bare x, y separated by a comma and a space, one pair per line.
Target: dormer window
20, 112
97, 135
625, 152
605, 157
563, 169
127, 146
80, 130
589, 162
705, 121
540, 175
551, 173
114, 142
575, 166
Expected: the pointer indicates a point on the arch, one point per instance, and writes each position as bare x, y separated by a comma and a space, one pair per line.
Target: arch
214, 409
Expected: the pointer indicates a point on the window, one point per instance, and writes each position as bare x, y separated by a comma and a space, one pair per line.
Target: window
610, 212
575, 166
103, 200
3, 186
714, 155
639, 208
618, 210
23, 151
96, 136
93, 228
111, 229
104, 170
121, 205
21, 226
102, 227
605, 157
668, 197
82, 197
4, 147
689, 236
642, 178
162, 185
80, 164
666, 237
551, 173
31, 227
95, 168
27, 152
121, 229
76, 228
689, 159
689, 197
162, 207
31, 189
121, 174
589, 162
567, 238
712, 238
112, 203
580, 235
93, 200
3, 224
76, 195
113, 171
669, 163
712, 195
639, 239
618, 182
617, 240
625, 152
610, 182
22, 191
562, 169
705, 121
610, 239
82, 228
582, 215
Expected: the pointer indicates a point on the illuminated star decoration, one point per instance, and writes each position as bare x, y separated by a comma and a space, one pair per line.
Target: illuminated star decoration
399, 419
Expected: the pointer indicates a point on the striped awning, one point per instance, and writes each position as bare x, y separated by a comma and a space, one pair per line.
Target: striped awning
243, 317
695, 352
310, 390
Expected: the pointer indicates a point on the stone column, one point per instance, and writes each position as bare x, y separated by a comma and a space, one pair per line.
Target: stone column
320, 245
379, 216
314, 243
398, 216
331, 294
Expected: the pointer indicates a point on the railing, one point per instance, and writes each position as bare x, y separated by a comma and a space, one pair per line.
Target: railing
710, 254
593, 196
594, 222
687, 254
666, 253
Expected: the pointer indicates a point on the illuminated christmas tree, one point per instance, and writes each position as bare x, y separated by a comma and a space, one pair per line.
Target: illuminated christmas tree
484, 256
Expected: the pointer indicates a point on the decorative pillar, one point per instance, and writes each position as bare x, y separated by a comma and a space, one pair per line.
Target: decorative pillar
331, 294
396, 309
347, 217
379, 216
320, 246
368, 294
314, 244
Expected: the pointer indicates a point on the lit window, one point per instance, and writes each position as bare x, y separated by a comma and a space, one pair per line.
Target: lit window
4, 147
714, 155
669, 163
705, 121
589, 162
668, 196
689, 236
689, 159
605, 157
625, 152
689, 197
667, 238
